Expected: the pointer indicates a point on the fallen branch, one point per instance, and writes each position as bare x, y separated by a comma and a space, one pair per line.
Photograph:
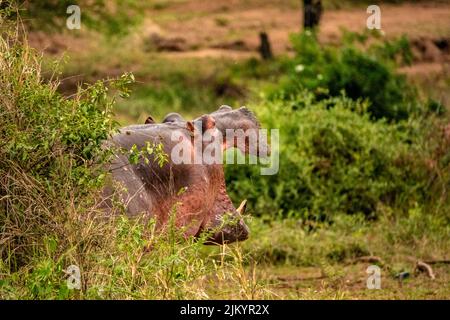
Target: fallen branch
293, 279
437, 261
424, 267
368, 259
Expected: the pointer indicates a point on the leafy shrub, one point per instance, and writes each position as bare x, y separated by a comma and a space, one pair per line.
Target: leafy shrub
111, 17
333, 159
51, 150
52, 159
362, 73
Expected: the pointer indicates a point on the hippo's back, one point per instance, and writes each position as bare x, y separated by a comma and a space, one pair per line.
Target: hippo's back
139, 185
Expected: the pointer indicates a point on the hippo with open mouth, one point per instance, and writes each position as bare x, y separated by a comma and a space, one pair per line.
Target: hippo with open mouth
195, 188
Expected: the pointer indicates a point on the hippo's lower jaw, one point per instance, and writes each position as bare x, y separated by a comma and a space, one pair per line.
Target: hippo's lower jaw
229, 234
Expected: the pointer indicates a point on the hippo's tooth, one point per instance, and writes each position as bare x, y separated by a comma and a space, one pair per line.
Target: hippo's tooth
242, 206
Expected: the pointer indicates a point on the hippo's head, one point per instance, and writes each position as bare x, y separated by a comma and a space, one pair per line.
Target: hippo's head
206, 191
196, 187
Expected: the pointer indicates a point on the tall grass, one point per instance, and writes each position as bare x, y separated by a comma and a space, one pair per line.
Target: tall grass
52, 160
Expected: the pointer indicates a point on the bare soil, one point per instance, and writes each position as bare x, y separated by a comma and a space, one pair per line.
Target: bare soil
230, 29
206, 24
350, 282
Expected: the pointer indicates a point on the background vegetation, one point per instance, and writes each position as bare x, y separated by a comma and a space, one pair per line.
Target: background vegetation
364, 166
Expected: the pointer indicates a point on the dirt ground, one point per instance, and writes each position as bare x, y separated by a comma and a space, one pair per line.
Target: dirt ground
351, 283
209, 28
235, 25
230, 29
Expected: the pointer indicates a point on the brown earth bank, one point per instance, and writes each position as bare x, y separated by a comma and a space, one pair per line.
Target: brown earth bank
234, 25
350, 282
229, 29
224, 24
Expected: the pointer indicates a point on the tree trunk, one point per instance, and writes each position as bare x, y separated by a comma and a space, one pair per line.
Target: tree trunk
312, 11
265, 49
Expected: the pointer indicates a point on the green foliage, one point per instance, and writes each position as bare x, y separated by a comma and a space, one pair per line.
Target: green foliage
52, 172
361, 72
110, 17
398, 50
189, 87
292, 242
160, 157
354, 136
52, 153
296, 242
333, 159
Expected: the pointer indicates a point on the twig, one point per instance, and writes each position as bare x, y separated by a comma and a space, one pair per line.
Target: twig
422, 266
293, 279
368, 259
437, 261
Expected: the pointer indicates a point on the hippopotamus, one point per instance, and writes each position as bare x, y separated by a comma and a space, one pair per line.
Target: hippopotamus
195, 192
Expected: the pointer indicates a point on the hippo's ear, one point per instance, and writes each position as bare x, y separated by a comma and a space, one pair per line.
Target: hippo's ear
224, 108
208, 122
149, 120
203, 123
173, 117
190, 126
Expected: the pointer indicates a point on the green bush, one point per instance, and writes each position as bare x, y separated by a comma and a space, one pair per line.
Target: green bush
52, 161
332, 160
362, 72
51, 154
110, 17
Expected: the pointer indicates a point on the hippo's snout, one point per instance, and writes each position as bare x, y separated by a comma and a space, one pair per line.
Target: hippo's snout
230, 233
231, 227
